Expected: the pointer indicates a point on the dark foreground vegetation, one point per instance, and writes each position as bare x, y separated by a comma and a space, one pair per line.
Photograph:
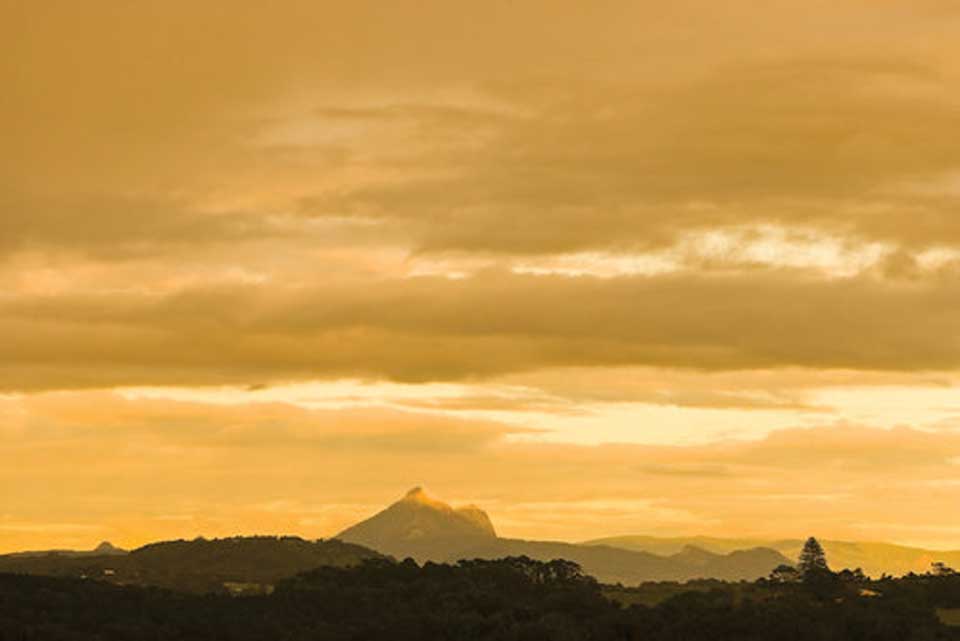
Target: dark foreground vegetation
508, 599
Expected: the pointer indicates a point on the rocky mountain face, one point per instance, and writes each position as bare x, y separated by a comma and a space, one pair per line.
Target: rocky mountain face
423, 528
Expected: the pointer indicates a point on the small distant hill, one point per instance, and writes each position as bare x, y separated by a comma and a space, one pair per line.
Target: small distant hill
426, 529
103, 549
200, 565
874, 559
737, 565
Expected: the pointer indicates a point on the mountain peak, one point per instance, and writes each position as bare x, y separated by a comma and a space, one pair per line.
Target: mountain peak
416, 494
419, 496
422, 521
106, 547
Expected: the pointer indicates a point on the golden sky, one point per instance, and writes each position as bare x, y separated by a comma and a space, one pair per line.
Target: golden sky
600, 267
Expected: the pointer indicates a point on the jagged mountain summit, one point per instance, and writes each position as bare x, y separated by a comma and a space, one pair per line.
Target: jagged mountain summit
422, 527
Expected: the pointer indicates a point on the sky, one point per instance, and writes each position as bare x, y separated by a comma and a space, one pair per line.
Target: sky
602, 268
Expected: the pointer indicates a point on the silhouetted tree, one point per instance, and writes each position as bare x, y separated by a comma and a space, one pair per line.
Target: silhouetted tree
812, 560
939, 568
817, 578
852, 576
784, 574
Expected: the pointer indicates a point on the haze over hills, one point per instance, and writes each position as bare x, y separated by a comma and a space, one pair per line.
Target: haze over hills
426, 529
874, 559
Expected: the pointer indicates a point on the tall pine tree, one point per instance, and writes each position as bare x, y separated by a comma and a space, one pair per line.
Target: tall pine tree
813, 560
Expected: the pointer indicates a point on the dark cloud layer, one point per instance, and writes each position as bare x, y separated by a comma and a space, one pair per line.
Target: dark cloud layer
524, 128
433, 328
828, 143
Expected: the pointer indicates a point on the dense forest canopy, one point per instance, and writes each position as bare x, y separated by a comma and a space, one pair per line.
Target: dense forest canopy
507, 599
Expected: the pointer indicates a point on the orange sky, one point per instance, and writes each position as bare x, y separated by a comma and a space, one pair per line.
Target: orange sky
602, 268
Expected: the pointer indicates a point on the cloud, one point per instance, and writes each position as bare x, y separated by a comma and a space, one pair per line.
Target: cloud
233, 197
202, 197
95, 415
779, 388
432, 328
637, 165
117, 227
622, 126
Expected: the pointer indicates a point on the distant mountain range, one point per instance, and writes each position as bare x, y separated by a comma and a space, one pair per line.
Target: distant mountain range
427, 529
874, 559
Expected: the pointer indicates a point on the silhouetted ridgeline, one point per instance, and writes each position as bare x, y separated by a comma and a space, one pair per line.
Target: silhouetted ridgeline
104, 549
875, 559
509, 599
240, 564
427, 529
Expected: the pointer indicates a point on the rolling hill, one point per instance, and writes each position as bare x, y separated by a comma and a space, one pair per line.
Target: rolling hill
234, 564
873, 558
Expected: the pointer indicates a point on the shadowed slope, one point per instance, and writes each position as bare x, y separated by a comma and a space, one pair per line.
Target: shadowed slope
423, 528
